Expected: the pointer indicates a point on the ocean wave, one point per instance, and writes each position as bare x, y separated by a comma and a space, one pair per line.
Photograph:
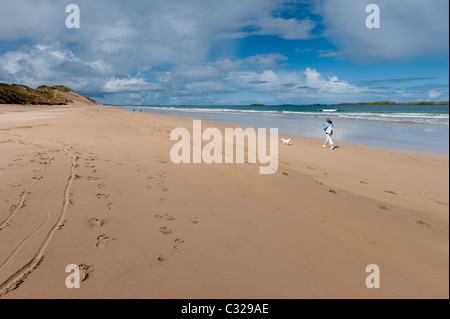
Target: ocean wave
429, 118
204, 110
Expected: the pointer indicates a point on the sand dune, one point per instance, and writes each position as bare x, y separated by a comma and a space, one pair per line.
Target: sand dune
94, 186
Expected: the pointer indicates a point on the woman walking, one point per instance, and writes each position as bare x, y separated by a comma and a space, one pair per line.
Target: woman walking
328, 128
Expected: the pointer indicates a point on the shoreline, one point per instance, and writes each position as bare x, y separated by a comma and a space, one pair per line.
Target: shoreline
10, 109
147, 228
442, 153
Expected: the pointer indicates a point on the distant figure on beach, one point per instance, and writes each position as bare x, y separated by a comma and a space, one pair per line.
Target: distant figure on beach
134, 110
328, 128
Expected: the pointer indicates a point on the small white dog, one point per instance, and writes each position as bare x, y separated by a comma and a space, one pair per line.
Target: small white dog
286, 142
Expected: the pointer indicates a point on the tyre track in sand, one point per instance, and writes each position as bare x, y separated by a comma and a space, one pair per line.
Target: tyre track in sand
19, 276
16, 251
6, 222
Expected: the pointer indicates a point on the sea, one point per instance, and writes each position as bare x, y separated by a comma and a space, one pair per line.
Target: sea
417, 128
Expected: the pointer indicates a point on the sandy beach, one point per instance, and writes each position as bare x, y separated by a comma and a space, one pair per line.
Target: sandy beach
94, 185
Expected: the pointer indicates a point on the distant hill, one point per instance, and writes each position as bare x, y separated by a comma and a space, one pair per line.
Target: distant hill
43, 95
394, 103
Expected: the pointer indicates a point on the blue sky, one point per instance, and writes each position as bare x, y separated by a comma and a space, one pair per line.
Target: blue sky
200, 52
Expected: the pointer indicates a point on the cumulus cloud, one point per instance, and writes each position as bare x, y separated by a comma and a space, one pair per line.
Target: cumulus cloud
331, 85
293, 86
44, 64
409, 29
434, 95
129, 85
150, 51
116, 40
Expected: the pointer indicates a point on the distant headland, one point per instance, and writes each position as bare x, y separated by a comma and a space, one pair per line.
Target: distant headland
368, 103
395, 103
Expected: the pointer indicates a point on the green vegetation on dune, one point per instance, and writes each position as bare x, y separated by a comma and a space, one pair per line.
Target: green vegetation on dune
20, 94
92, 100
61, 88
43, 95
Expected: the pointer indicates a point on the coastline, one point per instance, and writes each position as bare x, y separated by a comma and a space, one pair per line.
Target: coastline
216, 231
385, 131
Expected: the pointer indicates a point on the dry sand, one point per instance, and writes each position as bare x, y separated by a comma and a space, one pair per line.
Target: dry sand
94, 186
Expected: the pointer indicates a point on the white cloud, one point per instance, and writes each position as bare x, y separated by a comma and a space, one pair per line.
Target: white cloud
434, 95
293, 85
312, 77
409, 29
333, 85
116, 40
290, 29
45, 64
165, 46
129, 85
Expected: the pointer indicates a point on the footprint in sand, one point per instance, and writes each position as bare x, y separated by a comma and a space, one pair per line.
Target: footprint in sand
25, 193
15, 185
95, 223
92, 178
363, 182
422, 223
111, 206
383, 207
63, 223
177, 247
161, 259
102, 196
285, 174
164, 188
103, 241
165, 230
332, 191
169, 218
390, 192
193, 220
85, 270
71, 201
101, 186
